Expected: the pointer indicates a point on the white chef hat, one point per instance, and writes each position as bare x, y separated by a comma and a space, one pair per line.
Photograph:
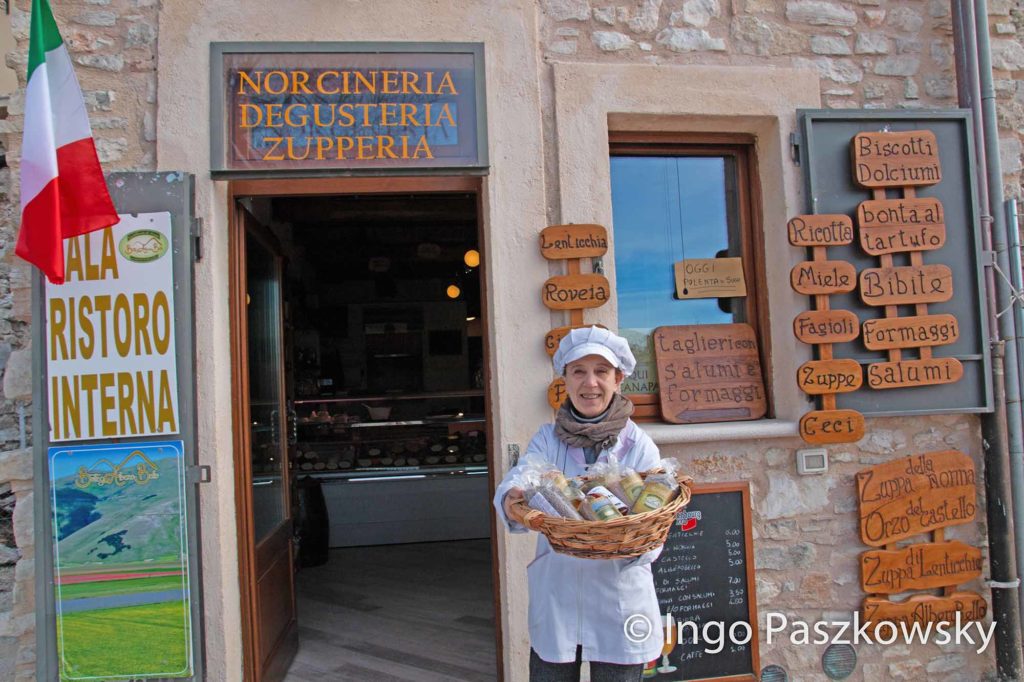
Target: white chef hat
586, 341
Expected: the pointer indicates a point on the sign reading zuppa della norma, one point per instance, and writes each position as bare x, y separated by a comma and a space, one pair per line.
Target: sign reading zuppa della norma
382, 109
110, 352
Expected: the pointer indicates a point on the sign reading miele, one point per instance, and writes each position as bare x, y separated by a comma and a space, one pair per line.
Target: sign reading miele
348, 106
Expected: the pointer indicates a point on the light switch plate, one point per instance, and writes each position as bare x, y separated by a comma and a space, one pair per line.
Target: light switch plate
812, 461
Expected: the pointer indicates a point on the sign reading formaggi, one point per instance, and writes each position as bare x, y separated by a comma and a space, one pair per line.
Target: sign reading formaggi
386, 108
110, 353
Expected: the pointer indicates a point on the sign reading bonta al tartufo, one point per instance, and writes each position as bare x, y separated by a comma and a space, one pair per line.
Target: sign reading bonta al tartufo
110, 351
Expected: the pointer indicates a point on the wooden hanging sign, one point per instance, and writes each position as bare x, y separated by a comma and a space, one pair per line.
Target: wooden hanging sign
905, 373
910, 332
914, 495
820, 377
823, 277
823, 427
573, 241
572, 292
709, 372
826, 326
924, 609
906, 284
820, 230
919, 567
709, 278
557, 393
903, 159
901, 225
555, 336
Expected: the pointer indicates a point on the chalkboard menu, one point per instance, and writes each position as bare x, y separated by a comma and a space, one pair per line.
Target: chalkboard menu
705, 574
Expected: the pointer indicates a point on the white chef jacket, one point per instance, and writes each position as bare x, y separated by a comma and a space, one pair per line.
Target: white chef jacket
587, 602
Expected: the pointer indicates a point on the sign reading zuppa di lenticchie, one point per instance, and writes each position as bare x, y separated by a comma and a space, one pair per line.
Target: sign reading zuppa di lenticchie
368, 109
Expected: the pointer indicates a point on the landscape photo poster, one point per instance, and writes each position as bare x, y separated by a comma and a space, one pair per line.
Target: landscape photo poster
121, 575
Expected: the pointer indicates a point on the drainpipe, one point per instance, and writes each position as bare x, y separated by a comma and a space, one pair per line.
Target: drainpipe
1002, 428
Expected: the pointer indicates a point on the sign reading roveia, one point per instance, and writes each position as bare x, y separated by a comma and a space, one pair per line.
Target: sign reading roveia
371, 109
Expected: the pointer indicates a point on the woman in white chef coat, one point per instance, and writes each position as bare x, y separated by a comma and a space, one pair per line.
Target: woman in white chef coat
600, 610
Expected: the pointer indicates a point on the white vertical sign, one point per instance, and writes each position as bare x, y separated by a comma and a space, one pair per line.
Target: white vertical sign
110, 351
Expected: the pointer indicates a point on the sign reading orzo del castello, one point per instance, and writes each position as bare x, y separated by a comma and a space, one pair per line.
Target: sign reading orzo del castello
350, 108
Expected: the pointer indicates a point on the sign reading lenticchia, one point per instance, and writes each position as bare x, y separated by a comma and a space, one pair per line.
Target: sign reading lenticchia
355, 106
110, 352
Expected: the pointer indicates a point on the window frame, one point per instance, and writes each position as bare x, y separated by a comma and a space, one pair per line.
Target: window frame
742, 149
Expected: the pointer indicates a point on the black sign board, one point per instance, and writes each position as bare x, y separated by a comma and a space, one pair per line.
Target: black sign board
705, 577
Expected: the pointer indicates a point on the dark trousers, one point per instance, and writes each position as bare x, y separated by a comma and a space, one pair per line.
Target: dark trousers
542, 671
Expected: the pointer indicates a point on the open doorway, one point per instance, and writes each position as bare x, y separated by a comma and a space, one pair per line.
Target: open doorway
362, 393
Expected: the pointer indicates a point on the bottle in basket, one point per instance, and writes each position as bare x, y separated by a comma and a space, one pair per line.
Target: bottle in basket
599, 506
658, 490
630, 484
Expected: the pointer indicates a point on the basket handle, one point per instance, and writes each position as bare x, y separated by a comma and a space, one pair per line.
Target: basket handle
522, 513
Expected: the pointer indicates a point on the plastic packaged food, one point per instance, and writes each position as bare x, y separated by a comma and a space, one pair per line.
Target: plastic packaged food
659, 489
599, 507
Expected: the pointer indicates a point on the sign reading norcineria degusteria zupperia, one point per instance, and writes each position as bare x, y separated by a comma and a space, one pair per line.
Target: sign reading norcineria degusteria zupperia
110, 352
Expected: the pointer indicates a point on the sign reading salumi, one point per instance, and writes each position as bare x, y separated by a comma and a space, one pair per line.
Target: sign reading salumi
371, 109
110, 352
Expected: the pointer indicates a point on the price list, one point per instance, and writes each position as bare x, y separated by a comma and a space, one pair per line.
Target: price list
704, 579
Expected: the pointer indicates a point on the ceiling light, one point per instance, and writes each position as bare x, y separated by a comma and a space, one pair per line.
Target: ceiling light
471, 258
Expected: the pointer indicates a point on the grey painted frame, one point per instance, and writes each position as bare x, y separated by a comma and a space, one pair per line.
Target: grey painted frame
820, 179
173, 192
217, 106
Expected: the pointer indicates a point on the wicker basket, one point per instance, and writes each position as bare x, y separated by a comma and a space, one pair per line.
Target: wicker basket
630, 536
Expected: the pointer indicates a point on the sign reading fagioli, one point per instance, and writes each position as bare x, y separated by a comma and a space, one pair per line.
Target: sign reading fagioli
110, 352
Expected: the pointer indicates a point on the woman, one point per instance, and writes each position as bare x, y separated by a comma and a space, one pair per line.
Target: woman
602, 611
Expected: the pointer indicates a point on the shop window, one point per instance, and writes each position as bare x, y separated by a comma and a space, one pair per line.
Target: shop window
674, 201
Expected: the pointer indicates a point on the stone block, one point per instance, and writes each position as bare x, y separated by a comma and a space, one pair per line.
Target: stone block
909, 669
872, 90
103, 62
1005, 28
906, 19
820, 13
689, 40
645, 20
767, 589
782, 529
938, 9
908, 46
897, 65
99, 100
837, 70
111, 149
831, 45
786, 557
605, 15
611, 41
882, 441
789, 495
755, 36
942, 54
1000, 8
557, 47
566, 10
1007, 55
140, 35
95, 18
939, 87
567, 32
1009, 154
9, 556
816, 589
945, 664
872, 42
18, 375
697, 13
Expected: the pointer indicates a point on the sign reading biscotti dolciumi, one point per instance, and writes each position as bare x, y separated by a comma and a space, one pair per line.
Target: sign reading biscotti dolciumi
324, 106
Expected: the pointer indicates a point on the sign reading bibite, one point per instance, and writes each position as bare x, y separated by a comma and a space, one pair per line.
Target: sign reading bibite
110, 352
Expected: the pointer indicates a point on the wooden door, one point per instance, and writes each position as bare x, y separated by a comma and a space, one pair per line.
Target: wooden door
262, 459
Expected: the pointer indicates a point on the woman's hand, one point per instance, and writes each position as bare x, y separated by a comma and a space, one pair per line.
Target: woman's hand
512, 496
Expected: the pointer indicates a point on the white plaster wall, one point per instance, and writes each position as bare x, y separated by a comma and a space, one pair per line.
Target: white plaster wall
514, 209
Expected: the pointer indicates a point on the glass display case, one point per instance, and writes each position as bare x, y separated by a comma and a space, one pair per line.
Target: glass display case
390, 434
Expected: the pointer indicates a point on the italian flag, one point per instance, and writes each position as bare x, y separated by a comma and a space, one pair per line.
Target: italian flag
63, 193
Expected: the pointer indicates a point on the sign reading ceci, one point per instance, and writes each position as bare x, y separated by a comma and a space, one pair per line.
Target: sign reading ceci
110, 352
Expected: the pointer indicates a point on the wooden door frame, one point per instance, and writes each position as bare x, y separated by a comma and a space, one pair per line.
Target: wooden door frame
239, 366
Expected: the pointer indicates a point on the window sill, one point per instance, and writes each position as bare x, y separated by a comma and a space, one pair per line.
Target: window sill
698, 433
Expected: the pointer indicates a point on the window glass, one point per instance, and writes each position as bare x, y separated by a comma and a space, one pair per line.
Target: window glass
666, 209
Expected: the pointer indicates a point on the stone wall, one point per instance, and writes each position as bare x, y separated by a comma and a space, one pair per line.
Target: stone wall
871, 54
113, 46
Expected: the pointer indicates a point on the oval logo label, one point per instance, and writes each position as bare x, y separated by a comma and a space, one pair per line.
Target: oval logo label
143, 246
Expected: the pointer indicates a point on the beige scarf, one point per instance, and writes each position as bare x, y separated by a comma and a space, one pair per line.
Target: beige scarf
602, 435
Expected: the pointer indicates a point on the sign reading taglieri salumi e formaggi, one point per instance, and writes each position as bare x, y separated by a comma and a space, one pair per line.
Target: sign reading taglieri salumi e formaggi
110, 352
384, 108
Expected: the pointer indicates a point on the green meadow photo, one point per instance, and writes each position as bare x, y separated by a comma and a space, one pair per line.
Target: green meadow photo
121, 584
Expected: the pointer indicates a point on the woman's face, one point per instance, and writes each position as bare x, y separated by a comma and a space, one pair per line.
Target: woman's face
591, 382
